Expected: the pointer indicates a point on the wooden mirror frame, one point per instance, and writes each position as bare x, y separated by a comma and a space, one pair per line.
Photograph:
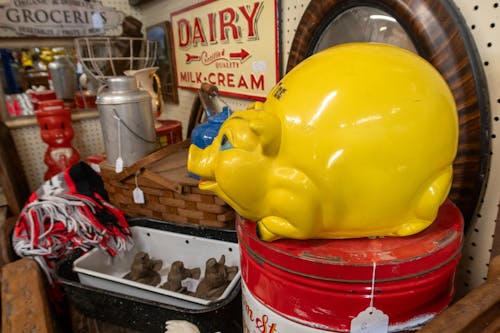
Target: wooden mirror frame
167, 70
441, 36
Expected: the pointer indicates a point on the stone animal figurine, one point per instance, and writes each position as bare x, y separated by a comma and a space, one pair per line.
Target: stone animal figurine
356, 141
178, 273
217, 278
145, 270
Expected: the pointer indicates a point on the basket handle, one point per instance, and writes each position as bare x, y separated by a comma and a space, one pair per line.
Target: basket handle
153, 157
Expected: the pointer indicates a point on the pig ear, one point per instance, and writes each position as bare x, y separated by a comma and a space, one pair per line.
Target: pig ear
268, 127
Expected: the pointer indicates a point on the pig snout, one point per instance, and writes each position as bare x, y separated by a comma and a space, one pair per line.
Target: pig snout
200, 162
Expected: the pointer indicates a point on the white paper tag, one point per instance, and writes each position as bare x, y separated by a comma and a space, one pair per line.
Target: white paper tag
95, 167
138, 196
190, 284
119, 165
370, 320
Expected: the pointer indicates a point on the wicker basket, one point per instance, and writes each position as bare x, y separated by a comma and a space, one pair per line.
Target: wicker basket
170, 194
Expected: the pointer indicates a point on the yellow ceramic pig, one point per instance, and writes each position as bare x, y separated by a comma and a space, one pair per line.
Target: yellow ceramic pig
357, 140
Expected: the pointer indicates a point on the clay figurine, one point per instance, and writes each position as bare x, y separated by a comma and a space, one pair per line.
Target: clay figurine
144, 270
178, 273
217, 278
356, 141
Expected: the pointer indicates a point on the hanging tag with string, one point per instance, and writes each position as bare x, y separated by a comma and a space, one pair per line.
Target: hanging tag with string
137, 193
119, 160
370, 320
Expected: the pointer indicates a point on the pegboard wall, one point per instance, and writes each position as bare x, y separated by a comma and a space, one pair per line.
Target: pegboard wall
481, 16
88, 141
483, 20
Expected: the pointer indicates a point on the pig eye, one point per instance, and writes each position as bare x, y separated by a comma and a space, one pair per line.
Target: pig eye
225, 144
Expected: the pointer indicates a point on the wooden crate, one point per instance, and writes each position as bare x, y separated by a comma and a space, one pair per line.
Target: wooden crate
170, 193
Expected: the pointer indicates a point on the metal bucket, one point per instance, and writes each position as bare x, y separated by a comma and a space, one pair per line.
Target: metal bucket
126, 120
322, 285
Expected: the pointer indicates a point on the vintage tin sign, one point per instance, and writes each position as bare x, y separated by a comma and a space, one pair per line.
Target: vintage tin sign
322, 285
232, 45
59, 18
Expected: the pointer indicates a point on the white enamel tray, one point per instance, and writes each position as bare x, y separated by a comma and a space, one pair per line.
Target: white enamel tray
97, 269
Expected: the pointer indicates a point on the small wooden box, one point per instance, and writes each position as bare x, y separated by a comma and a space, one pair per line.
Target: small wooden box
170, 193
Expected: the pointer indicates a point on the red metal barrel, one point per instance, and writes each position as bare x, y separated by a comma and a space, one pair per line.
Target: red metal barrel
321, 285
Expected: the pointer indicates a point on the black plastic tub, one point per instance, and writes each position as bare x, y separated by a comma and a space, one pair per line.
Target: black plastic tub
149, 316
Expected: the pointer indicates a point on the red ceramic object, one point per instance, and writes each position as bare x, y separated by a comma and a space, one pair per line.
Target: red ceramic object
85, 99
57, 132
168, 132
302, 286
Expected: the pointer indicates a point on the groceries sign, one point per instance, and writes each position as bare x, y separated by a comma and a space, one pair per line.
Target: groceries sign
56, 18
230, 44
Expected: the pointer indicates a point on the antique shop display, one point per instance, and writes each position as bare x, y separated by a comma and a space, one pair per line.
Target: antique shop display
339, 150
143, 314
355, 143
158, 248
57, 132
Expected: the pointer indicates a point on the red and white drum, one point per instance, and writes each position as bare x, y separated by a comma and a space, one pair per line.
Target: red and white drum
322, 285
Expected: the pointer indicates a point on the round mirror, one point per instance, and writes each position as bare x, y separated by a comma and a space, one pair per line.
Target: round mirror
364, 24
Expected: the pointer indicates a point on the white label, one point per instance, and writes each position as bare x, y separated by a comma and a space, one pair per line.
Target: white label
259, 66
95, 167
138, 196
119, 165
190, 284
370, 320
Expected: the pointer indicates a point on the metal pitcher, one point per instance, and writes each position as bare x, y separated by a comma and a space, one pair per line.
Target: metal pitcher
126, 120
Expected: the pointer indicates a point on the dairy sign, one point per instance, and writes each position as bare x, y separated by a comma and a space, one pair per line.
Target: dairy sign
58, 18
230, 44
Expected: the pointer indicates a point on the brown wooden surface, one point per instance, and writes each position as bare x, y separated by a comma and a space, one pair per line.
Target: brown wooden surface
12, 176
478, 311
7, 224
25, 308
442, 37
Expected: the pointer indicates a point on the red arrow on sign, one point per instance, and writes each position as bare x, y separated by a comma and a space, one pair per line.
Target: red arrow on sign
242, 55
191, 57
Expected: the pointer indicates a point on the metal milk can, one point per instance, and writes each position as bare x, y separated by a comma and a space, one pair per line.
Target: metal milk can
126, 120
63, 75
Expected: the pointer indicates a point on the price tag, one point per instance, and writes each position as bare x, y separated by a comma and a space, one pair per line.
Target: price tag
119, 165
95, 167
370, 320
138, 196
190, 284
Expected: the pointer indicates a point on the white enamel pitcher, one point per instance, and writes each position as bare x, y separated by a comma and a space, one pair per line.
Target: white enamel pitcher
144, 78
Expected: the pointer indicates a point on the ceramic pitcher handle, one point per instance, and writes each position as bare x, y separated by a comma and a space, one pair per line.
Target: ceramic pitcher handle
159, 96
